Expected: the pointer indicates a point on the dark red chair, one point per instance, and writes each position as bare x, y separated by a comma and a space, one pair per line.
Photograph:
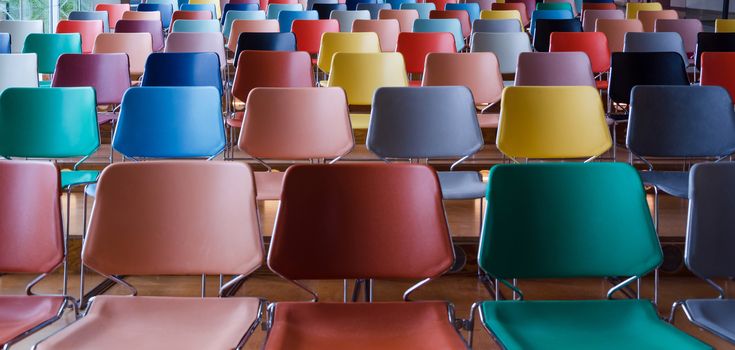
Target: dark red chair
461, 15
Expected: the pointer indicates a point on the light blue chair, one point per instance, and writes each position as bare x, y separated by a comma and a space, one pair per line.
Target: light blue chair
91, 16
196, 26
200, 7
396, 4
238, 7
472, 8
423, 8
166, 10
232, 16
450, 25
549, 14
373, 8
286, 18
275, 9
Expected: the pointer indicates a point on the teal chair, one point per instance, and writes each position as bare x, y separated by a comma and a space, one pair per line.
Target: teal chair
200, 7
232, 16
472, 8
555, 6
196, 26
396, 4
48, 48
571, 220
275, 9
286, 18
423, 8
450, 25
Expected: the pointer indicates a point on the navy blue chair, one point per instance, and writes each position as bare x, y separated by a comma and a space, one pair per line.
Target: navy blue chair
352, 4
238, 7
324, 10
373, 8
166, 10
4, 42
91, 16
183, 69
265, 42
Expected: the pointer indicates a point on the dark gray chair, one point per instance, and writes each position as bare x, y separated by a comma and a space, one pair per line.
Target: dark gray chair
438, 122
709, 245
374, 9
496, 26
655, 42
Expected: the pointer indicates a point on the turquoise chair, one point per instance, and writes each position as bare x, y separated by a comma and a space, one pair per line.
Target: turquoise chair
48, 48
196, 26
450, 25
286, 18
423, 8
554, 6
549, 14
232, 16
563, 220
472, 8
275, 9
200, 7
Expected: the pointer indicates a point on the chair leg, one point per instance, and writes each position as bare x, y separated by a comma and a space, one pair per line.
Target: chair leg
65, 287
84, 236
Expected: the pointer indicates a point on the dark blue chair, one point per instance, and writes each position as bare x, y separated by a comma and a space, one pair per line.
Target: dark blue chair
324, 10
91, 16
286, 18
374, 9
4, 42
183, 69
352, 4
265, 42
166, 11
238, 7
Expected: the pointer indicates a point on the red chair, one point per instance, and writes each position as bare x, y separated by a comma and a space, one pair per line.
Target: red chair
518, 6
415, 46
87, 29
114, 12
594, 44
598, 6
461, 15
309, 33
190, 15
31, 243
440, 4
143, 26
717, 69
530, 6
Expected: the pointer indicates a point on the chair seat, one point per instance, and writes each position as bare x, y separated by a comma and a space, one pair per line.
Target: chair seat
360, 120
461, 184
714, 315
106, 117
236, 120
358, 326
675, 183
489, 120
268, 185
585, 324
601, 84
78, 177
22, 313
124, 322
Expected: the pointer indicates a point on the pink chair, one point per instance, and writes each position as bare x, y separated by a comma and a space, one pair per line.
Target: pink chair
114, 12
554, 69
405, 18
250, 26
590, 17
136, 45
615, 29
687, 29
649, 18
87, 29
387, 30
142, 26
197, 42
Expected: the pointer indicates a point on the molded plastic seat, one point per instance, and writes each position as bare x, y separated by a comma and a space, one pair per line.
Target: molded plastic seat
265, 42
717, 70
250, 26
554, 69
196, 42
198, 8
674, 183
496, 26
136, 45
451, 25
114, 12
325, 10
191, 14
274, 10
460, 15
713, 315
570, 5
183, 69
232, 16
423, 8
48, 48
472, 9
546, 27
19, 30
143, 26
345, 42
615, 31
503, 14
360, 74
196, 26
387, 30
724, 25
416, 46
632, 9
309, 33
506, 47
655, 42
87, 29
396, 4
649, 18
90, 16
345, 18
310, 3
590, 17
286, 18
548, 14
594, 44
478, 71
405, 18
518, 6
713, 42
441, 4
374, 9
237, 7
586, 6
18, 70
21, 313
143, 15
216, 3
165, 10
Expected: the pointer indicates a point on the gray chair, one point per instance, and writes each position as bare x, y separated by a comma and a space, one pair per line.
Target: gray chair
554, 69
92, 15
374, 9
496, 26
345, 18
438, 122
655, 42
709, 245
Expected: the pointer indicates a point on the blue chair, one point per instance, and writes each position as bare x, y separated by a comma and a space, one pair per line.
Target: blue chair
275, 9
450, 25
352, 4
374, 9
200, 7
396, 4
423, 8
91, 16
548, 14
166, 10
196, 26
286, 18
472, 8
324, 10
265, 42
238, 7
183, 69
234, 15
4, 42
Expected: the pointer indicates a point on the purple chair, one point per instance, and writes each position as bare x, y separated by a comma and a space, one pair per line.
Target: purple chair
554, 69
143, 26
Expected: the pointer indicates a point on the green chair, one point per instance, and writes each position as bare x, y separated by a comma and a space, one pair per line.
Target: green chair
48, 48
571, 220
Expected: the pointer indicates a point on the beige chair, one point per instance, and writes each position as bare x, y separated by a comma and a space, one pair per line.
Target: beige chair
136, 45
615, 29
387, 30
405, 18
142, 15
649, 18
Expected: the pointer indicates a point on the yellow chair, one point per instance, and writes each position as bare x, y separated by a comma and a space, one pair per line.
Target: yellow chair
724, 25
502, 14
360, 74
552, 122
333, 42
205, 2
632, 8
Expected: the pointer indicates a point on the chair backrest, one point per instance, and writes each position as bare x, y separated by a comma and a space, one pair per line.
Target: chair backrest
649, 18
552, 122
632, 9
594, 44
560, 4
387, 30
309, 33
87, 29
713, 42
615, 31
472, 9
546, 27
405, 18
143, 26
629, 69
32, 239
460, 15
655, 42
107, 73
18, 70
201, 9
478, 71
63, 122
19, 30
197, 42
554, 69
196, 26
360, 74
506, 46
274, 10
548, 14
415, 46
333, 43
92, 15
709, 238
449, 25
504, 14
216, 3
265, 42
550, 240
345, 18
250, 26
310, 3
183, 69
423, 8
170, 122
352, 4
271, 69
136, 239
5, 43
114, 12
396, 4
441, 4
717, 70
136, 45
517, 6
238, 7
144, 15
286, 18
424, 122
233, 15
325, 10
530, 6
681, 121
296, 123
48, 48
724, 25
590, 17
484, 4
374, 9
353, 245
496, 26
191, 14
586, 6
687, 28
165, 10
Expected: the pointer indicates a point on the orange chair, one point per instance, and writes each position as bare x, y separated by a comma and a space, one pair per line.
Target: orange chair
358, 236
314, 124
717, 69
250, 26
190, 15
615, 29
461, 15
136, 45
405, 18
163, 233
594, 44
114, 12
87, 29
649, 18
142, 15
440, 4
387, 30
517, 6
415, 46
598, 6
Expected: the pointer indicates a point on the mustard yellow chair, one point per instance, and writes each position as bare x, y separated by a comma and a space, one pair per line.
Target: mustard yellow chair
724, 25
552, 122
632, 8
213, 2
333, 42
502, 14
360, 74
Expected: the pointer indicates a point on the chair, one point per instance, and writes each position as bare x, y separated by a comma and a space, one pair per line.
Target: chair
460, 15
92, 16
19, 30
594, 44
250, 26
506, 47
309, 33
598, 6
216, 3
562, 122
649, 18
209, 9
159, 217
548, 14
136, 45
265, 42
724, 25
88, 30
496, 26
166, 11
286, 18
345, 18
529, 4
517, 6
233, 15
484, 4
416, 46
195, 26
450, 25
325, 10
345, 42
615, 31
144, 15
183, 69
274, 9
197, 42
154, 28
655, 42
554, 242
374, 9
5, 43
560, 4
396, 4
405, 18
48, 48
360, 74
717, 71
503, 14
191, 14
441, 4
414, 123
114, 12
590, 17
237, 7
554, 69
412, 189
423, 8
546, 27
352, 4
687, 29
387, 30
632, 8
18, 70
472, 9
32, 242
315, 124
713, 42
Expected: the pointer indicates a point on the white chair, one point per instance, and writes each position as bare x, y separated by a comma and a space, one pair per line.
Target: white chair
18, 70
506, 46
345, 18
19, 30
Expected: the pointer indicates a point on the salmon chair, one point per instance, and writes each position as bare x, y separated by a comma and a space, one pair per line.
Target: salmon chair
174, 228
416, 46
333, 224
